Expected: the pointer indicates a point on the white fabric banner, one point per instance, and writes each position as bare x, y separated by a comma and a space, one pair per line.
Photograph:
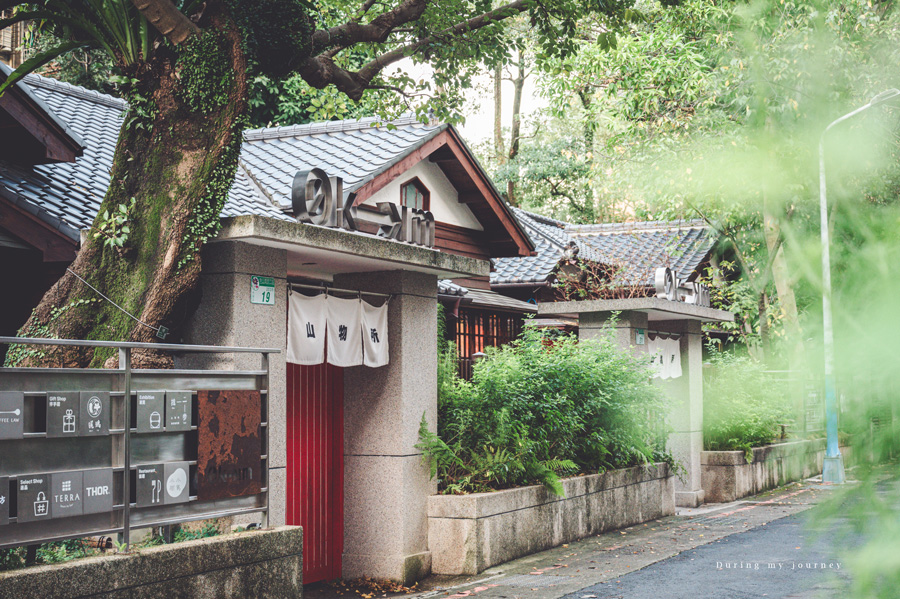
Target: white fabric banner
306, 329
674, 354
375, 334
344, 331
654, 348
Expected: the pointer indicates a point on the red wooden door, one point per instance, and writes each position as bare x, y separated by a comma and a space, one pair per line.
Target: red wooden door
315, 466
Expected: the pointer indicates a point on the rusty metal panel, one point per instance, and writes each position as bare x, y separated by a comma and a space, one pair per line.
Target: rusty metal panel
230, 447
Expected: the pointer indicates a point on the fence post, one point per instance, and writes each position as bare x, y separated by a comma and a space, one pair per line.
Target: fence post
125, 365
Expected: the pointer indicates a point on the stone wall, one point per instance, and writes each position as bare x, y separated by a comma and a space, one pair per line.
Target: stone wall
266, 563
726, 475
470, 533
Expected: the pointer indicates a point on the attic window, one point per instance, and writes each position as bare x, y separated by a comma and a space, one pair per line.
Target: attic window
413, 194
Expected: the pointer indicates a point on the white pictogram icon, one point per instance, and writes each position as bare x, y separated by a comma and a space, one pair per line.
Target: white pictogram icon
69, 422
95, 406
176, 483
66, 485
41, 505
155, 420
155, 491
15, 412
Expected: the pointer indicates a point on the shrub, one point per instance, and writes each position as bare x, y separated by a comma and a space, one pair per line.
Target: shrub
743, 407
537, 409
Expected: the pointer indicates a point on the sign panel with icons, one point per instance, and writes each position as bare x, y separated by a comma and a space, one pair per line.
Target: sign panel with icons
178, 410
94, 416
177, 486
12, 414
98, 491
4, 500
33, 498
149, 488
150, 411
66, 494
62, 414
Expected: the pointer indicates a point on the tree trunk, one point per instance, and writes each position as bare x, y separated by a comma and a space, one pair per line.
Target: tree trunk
516, 129
499, 151
176, 156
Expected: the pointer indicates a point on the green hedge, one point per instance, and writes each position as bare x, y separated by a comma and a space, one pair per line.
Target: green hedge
538, 409
743, 407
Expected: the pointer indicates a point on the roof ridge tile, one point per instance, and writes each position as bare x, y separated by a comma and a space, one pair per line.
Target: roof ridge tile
36, 80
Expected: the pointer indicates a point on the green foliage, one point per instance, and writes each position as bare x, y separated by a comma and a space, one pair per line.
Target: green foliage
205, 221
536, 410
277, 33
205, 72
114, 228
114, 27
743, 407
18, 353
292, 101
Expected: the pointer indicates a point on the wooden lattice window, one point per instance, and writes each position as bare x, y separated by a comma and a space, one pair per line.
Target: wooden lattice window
478, 329
413, 194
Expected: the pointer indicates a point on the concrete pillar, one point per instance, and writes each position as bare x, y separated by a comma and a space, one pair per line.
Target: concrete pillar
226, 317
686, 416
386, 483
685, 393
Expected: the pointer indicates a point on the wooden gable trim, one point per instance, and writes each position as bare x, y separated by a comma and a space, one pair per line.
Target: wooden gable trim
447, 138
410, 160
55, 246
524, 246
58, 146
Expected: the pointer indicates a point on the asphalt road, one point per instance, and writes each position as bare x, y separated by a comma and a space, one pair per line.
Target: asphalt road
777, 560
758, 547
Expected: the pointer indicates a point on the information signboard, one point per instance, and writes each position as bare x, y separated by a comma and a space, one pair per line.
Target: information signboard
150, 411
62, 414
177, 478
33, 498
178, 410
4, 500
66, 494
98, 491
149, 488
94, 413
12, 414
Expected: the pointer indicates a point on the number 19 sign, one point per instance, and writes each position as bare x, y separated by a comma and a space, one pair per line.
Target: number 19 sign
262, 290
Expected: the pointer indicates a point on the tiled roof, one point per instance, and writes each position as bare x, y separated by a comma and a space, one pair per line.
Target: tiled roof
639, 247
482, 298
356, 151
550, 240
448, 287
68, 195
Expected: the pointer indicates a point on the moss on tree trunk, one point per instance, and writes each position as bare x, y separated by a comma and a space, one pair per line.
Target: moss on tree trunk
176, 157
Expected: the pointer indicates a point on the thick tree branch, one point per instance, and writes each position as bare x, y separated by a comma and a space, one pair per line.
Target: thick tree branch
376, 31
320, 71
167, 19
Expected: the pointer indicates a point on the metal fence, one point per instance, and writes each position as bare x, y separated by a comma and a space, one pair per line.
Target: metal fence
55, 441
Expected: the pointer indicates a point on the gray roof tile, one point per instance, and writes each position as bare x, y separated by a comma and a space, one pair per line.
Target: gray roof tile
638, 247
68, 195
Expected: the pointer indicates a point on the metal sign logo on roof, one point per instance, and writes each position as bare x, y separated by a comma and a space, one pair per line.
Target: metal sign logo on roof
319, 199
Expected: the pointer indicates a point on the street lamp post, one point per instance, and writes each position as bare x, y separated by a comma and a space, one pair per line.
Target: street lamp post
833, 467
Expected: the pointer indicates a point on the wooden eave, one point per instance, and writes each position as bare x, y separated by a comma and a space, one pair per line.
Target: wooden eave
502, 231
54, 245
31, 136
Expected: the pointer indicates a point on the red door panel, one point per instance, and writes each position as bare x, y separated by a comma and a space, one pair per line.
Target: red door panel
315, 466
